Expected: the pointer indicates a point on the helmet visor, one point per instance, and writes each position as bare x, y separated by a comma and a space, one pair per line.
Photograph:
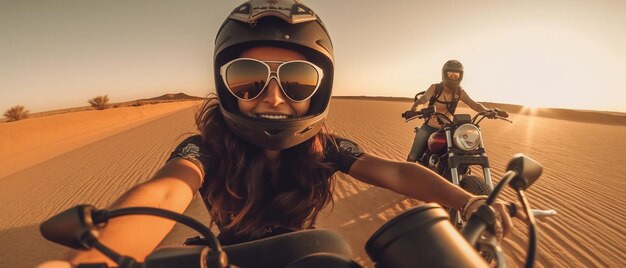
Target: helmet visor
246, 78
453, 75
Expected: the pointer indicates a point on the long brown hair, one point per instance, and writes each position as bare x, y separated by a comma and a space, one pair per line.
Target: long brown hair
247, 196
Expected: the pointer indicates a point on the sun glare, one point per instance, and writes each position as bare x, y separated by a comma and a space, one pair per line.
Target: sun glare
529, 110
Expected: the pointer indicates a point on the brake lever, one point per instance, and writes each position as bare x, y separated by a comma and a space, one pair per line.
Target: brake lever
505, 119
539, 213
410, 119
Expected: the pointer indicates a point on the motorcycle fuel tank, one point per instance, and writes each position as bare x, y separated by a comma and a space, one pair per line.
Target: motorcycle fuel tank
437, 142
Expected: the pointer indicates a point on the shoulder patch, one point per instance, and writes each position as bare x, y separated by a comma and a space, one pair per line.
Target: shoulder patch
350, 147
190, 148
341, 153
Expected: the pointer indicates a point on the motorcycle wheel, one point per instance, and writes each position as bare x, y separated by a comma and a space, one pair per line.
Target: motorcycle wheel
474, 185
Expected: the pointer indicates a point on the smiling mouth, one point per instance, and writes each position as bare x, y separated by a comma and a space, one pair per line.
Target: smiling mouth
273, 116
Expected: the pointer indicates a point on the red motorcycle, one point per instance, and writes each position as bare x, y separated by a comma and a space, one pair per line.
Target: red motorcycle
455, 147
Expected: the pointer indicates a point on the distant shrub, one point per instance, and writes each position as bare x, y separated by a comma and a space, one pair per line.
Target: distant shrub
16, 113
100, 102
137, 103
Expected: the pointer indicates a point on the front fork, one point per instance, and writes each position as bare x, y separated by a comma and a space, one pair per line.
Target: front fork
454, 172
454, 175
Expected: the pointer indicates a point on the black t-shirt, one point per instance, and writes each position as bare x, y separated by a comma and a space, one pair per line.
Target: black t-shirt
339, 155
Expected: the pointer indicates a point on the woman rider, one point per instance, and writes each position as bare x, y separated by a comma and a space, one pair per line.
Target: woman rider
445, 97
262, 163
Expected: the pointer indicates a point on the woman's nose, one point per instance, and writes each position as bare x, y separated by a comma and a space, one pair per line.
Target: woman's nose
273, 95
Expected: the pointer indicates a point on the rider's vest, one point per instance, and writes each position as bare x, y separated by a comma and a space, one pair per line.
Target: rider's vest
450, 105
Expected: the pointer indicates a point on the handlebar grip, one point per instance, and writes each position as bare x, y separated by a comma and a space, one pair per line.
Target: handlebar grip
501, 113
409, 114
472, 230
483, 218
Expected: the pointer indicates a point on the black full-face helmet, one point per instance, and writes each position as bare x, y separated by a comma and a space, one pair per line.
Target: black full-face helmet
278, 23
453, 66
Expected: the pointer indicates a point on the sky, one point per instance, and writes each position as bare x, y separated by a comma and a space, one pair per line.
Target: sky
553, 53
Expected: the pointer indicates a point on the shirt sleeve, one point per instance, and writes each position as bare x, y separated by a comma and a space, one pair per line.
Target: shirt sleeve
341, 153
191, 149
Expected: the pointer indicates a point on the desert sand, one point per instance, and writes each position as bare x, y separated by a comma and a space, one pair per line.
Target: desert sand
49, 164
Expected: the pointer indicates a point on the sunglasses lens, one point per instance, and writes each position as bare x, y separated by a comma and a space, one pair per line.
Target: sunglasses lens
246, 78
299, 80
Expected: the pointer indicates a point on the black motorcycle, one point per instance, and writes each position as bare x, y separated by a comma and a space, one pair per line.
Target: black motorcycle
419, 237
455, 147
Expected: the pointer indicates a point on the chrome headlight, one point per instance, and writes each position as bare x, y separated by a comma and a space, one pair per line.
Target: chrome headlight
467, 137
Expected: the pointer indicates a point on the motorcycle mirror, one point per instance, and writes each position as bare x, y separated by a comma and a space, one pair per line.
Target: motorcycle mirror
72, 228
528, 171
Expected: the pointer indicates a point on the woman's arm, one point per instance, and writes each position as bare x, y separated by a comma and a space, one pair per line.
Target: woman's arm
429, 92
171, 188
409, 179
418, 182
471, 103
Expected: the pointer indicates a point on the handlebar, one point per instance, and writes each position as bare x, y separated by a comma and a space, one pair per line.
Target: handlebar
491, 114
443, 119
78, 227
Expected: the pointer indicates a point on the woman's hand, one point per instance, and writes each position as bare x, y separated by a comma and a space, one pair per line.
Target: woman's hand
55, 264
503, 224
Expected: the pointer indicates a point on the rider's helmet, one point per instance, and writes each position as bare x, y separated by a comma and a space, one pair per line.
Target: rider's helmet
280, 23
452, 74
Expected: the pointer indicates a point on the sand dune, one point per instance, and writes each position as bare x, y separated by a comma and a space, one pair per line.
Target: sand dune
28, 142
583, 178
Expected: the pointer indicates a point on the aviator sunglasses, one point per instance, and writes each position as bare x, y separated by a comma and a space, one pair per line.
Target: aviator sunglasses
246, 78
